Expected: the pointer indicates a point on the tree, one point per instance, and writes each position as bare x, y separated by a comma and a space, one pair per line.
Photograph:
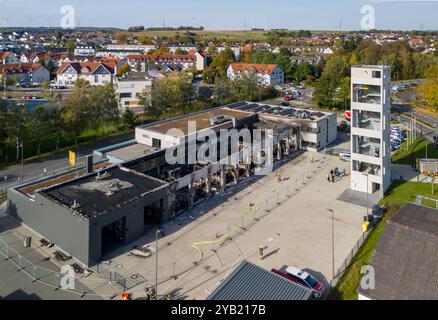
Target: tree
222, 60
180, 51
344, 93
335, 69
74, 113
81, 83
128, 119
121, 37
103, 105
273, 37
145, 40
123, 69
429, 90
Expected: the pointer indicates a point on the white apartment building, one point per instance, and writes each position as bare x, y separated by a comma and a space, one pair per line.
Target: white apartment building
96, 73
130, 88
267, 74
370, 128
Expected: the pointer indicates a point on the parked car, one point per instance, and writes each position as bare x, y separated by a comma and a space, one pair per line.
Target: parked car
345, 156
285, 104
306, 279
22, 84
57, 86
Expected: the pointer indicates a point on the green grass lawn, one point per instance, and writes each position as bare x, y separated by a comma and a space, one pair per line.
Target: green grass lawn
347, 285
398, 195
402, 192
417, 151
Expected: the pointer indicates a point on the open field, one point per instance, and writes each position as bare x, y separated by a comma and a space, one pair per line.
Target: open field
208, 34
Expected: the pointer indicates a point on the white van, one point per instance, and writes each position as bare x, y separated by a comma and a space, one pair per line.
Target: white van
345, 156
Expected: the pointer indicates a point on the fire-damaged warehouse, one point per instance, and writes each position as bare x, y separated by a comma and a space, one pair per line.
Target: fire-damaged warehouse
92, 210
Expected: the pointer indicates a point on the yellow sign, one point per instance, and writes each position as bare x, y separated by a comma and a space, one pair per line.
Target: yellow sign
72, 158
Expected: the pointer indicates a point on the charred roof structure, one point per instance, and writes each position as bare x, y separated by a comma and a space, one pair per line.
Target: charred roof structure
89, 211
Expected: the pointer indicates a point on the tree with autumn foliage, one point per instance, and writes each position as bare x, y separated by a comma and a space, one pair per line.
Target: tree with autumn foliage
429, 90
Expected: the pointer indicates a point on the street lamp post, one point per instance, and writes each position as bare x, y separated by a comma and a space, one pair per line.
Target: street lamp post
6, 184
333, 241
368, 206
156, 263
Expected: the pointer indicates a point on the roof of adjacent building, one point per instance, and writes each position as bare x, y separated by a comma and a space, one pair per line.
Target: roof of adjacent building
5, 54
19, 67
162, 58
259, 68
101, 193
406, 257
279, 111
251, 282
86, 67
201, 119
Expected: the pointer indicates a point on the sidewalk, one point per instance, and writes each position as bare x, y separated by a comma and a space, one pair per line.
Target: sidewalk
290, 219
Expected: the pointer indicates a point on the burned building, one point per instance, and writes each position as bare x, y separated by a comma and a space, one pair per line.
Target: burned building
88, 212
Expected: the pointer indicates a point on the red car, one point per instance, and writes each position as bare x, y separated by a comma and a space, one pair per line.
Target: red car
306, 280
288, 98
317, 291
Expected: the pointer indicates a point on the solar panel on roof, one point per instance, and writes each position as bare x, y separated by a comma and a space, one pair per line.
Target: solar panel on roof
286, 112
257, 109
247, 107
236, 105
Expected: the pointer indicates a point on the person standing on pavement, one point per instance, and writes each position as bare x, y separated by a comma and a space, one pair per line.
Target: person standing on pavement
261, 249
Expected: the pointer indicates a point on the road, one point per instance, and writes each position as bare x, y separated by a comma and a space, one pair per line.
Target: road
35, 168
404, 107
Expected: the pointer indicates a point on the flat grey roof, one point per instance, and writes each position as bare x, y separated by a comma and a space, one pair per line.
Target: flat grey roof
406, 257
279, 111
92, 195
132, 151
251, 282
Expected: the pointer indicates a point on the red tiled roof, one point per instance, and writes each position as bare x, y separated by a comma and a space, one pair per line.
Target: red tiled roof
162, 58
259, 68
86, 67
19, 67
5, 54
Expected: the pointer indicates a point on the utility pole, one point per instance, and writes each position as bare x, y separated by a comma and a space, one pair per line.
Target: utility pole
22, 162
156, 263
368, 205
333, 241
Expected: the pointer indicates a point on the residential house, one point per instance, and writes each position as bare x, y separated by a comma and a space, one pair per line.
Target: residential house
30, 72
129, 89
96, 73
143, 62
8, 58
84, 51
186, 48
311, 60
267, 74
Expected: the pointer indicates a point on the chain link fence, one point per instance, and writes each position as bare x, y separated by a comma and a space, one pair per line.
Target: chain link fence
59, 281
348, 259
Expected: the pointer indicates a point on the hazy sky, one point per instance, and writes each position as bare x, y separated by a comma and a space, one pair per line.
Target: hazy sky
223, 14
